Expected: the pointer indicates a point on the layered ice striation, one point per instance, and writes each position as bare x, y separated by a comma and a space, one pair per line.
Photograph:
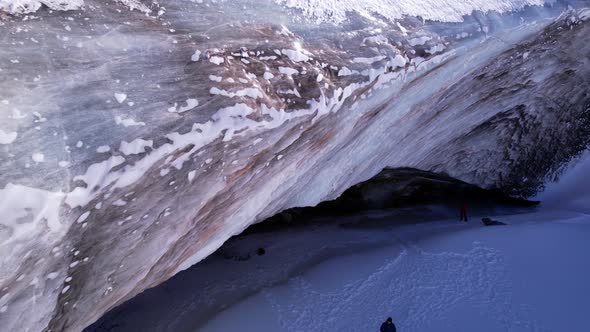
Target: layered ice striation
133, 143
320, 10
445, 11
31, 6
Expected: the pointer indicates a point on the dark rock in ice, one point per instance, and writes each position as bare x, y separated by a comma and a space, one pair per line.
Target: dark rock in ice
400, 188
490, 222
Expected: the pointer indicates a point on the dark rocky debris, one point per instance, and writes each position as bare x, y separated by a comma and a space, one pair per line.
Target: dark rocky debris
398, 188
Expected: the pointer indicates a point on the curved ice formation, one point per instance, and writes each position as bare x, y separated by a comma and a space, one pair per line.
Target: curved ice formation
323, 10
31, 6
134, 145
435, 10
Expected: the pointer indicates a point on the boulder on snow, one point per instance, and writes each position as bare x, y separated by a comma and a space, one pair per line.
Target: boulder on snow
491, 222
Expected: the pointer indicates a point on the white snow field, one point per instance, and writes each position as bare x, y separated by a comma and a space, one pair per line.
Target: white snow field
531, 275
350, 273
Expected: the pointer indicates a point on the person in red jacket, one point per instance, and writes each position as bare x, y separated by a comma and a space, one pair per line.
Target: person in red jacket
464, 212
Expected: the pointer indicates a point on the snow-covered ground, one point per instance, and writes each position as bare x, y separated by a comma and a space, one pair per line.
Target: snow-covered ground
529, 276
350, 273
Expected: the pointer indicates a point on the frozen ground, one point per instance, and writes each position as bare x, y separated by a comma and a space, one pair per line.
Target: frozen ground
529, 276
351, 273
447, 276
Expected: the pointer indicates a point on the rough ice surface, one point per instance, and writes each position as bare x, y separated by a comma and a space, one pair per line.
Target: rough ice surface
201, 158
136, 146
446, 11
356, 270
332, 10
7, 138
120, 97
30, 6
571, 192
527, 276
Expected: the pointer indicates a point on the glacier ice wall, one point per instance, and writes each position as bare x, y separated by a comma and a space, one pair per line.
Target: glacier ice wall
133, 143
319, 10
571, 190
435, 10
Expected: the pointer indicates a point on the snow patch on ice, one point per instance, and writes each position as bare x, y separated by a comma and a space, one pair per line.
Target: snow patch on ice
38, 157
136, 146
215, 78
135, 5
288, 71
191, 176
369, 61
196, 56
436, 10
216, 60
52, 275
267, 75
120, 97
419, 40
7, 138
127, 122
83, 217
253, 93
103, 149
30, 6
119, 202
344, 71
290, 92
190, 104
96, 176
26, 210
295, 55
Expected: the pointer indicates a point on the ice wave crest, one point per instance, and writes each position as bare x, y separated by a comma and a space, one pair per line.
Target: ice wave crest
436, 10
31, 6
18, 7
